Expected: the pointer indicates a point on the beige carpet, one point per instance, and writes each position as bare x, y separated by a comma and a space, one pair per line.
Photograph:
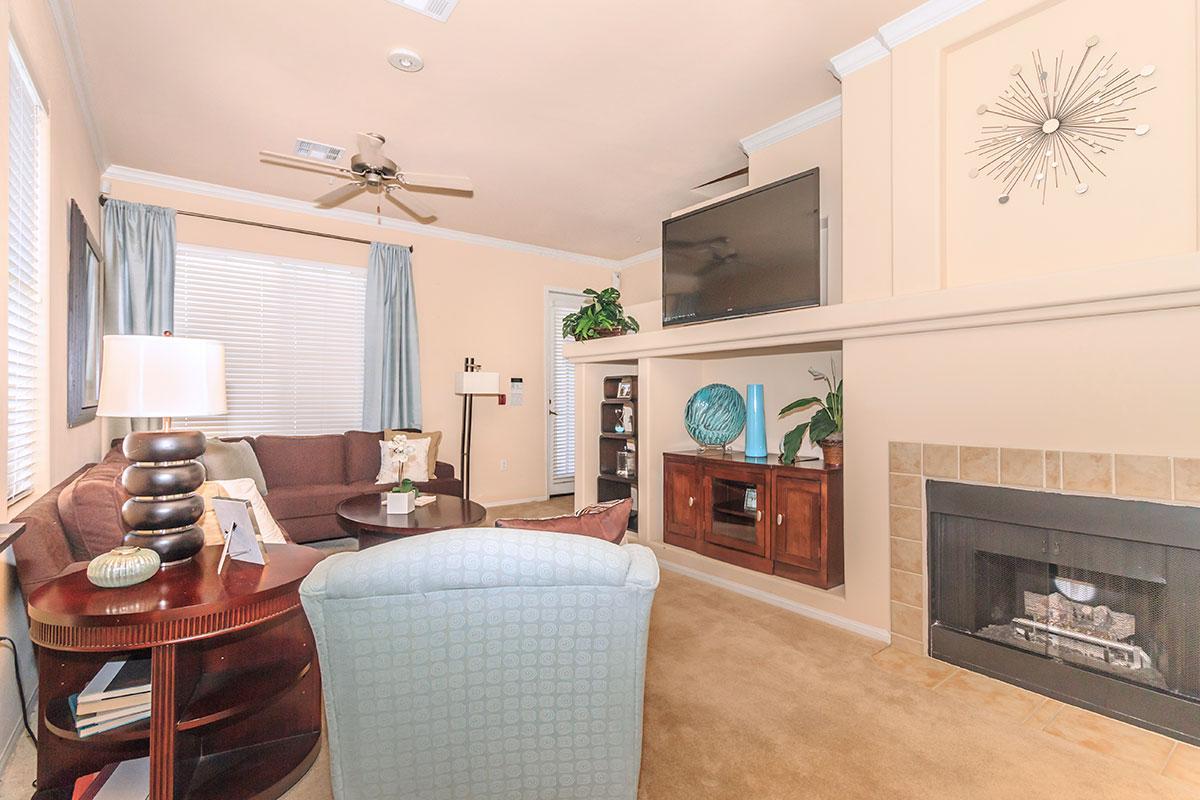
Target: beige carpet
745, 701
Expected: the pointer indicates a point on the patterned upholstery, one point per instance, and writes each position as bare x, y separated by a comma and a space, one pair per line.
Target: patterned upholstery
483, 664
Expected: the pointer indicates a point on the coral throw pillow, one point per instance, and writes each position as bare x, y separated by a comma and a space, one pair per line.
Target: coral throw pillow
607, 521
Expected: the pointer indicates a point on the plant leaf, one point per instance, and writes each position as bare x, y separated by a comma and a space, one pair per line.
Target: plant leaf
792, 441
821, 426
798, 404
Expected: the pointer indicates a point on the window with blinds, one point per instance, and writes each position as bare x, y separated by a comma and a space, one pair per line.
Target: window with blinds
562, 393
25, 309
293, 335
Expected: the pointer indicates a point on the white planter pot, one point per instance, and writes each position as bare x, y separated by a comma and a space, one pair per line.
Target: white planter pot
401, 502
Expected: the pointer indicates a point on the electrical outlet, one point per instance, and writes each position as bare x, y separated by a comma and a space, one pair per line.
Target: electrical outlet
504, 465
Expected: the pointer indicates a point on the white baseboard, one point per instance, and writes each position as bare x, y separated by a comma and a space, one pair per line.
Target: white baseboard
10, 744
862, 629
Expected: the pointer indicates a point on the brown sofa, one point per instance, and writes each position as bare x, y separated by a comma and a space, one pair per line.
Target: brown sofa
307, 476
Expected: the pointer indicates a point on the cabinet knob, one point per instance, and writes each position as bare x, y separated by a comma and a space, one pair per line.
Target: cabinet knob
779, 519
758, 516
691, 502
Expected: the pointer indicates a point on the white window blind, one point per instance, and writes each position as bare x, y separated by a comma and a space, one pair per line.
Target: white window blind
563, 392
25, 357
293, 335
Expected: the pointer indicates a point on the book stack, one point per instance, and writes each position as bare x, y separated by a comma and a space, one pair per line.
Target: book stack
128, 780
119, 695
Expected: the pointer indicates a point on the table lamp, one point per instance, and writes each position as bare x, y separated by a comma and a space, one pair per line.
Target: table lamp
470, 382
163, 376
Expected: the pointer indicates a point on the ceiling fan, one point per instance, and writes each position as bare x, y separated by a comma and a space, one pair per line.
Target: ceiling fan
371, 171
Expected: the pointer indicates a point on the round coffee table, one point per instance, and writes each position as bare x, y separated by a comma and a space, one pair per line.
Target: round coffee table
365, 518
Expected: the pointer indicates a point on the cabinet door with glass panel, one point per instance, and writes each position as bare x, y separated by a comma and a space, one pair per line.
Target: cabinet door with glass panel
738, 501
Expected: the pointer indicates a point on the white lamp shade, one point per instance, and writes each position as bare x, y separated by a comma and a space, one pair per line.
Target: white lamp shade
161, 376
477, 383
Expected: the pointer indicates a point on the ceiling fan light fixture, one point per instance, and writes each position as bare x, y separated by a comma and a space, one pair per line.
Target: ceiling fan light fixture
406, 60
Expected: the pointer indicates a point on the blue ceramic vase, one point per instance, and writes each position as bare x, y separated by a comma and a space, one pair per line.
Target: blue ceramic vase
756, 422
715, 415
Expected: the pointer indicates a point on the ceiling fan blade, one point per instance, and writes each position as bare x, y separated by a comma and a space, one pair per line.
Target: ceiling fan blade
340, 195
284, 160
370, 147
456, 183
409, 202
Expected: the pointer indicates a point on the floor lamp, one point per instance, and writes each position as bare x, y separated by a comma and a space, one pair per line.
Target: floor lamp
470, 382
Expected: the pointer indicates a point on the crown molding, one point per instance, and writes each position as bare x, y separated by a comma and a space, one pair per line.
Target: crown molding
857, 57
922, 18
158, 180
808, 118
68, 38
638, 259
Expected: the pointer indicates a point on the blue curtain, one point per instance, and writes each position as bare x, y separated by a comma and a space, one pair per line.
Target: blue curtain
392, 359
139, 276
139, 268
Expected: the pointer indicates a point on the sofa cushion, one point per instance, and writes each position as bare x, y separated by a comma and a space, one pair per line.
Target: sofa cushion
434, 437
292, 502
90, 507
606, 521
362, 455
227, 461
301, 460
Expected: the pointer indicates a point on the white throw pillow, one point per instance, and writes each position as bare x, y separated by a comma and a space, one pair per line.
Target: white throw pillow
417, 466
239, 489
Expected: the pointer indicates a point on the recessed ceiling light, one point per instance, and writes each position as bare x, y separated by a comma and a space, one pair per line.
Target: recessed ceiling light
406, 60
438, 9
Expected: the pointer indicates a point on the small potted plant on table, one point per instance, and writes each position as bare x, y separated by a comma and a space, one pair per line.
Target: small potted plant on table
824, 429
402, 499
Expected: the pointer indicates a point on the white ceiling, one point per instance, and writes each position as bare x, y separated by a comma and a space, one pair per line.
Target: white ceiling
583, 123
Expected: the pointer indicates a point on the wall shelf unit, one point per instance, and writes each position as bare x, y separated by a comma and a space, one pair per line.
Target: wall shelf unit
617, 473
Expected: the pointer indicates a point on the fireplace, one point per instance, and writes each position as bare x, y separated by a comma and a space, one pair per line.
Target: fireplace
1094, 601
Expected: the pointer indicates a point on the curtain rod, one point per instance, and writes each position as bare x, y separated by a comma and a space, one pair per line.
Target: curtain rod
267, 225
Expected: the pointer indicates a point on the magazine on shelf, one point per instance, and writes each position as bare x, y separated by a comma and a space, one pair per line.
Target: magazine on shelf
121, 716
117, 678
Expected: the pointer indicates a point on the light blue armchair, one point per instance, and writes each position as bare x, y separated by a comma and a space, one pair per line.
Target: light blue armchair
482, 663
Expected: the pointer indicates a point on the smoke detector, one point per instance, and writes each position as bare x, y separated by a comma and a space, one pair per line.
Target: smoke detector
438, 9
317, 151
406, 60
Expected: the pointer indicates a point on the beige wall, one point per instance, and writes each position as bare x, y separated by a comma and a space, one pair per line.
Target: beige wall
72, 174
472, 300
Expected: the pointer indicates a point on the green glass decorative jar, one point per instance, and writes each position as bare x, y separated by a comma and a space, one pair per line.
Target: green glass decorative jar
123, 566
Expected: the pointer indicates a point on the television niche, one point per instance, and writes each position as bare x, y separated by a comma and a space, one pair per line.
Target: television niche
751, 254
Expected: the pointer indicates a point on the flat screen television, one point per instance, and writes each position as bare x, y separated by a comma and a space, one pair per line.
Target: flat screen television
750, 254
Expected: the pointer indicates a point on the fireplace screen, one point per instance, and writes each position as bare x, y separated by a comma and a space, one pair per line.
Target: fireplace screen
1110, 591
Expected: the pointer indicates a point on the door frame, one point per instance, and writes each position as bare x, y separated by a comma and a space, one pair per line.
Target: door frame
566, 487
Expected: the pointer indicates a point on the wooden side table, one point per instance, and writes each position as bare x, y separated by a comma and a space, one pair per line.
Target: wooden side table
235, 686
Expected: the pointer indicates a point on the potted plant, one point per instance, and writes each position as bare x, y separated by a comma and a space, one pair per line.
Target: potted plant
601, 317
402, 499
824, 428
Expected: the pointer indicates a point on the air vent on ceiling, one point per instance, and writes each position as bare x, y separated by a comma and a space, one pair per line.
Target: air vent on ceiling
318, 151
438, 9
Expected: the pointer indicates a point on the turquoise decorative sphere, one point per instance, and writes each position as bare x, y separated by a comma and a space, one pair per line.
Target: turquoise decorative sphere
715, 415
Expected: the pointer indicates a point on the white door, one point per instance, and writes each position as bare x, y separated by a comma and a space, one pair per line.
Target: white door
560, 395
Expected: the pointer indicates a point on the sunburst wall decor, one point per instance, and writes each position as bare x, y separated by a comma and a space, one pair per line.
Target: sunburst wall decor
1054, 128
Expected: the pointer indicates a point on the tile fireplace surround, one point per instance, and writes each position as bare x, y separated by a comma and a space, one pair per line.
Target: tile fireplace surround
1153, 478
1098, 474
